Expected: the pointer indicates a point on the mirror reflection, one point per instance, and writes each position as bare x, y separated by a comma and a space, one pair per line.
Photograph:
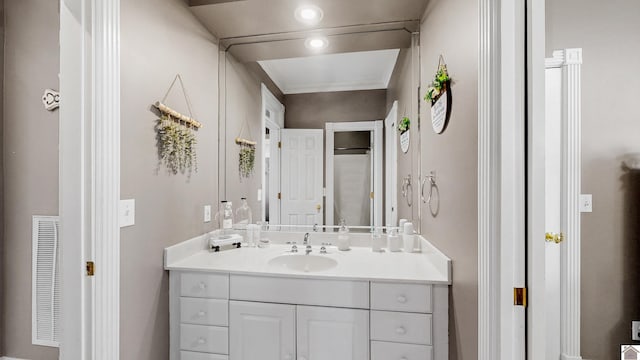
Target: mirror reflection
318, 103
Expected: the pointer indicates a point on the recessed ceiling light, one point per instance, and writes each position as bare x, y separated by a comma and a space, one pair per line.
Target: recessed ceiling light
309, 14
316, 43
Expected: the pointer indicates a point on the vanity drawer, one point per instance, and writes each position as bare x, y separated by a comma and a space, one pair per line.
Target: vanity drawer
401, 327
336, 293
188, 355
215, 286
204, 311
401, 297
211, 339
393, 351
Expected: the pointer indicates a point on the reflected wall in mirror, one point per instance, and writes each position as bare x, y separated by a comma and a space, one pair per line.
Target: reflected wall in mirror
322, 102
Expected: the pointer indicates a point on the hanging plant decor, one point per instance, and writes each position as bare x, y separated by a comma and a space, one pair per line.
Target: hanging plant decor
439, 96
176, 146
247, 159
176, 135
403, 128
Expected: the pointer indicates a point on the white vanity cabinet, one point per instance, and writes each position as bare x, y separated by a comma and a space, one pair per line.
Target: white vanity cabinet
262, 331
218, 316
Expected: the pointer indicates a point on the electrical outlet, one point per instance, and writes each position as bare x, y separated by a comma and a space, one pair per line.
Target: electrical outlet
635, 330
586, 203
207, 213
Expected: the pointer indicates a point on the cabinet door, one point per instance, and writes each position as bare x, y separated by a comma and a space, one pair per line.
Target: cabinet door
332, 333
261, 331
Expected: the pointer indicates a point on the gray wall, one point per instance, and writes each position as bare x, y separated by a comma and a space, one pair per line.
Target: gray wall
450, 28
608, 34
312, 111
243, 108
402, 88
159, 40
30, 142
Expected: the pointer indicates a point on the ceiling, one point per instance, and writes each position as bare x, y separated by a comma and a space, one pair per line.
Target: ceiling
233, 19
334, 72
364, 38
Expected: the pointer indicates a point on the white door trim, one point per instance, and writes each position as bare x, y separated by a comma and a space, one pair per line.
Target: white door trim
270, 101
391, 166
501, 201
331, 129
570, 62
90, 178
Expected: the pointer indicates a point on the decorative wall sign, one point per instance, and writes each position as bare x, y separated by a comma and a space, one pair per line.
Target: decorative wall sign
51, 99
439, 95
405, 139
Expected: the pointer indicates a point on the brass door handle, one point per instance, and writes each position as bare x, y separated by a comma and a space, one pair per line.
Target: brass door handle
553, 237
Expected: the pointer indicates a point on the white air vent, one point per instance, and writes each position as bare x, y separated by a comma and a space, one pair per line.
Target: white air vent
45, 280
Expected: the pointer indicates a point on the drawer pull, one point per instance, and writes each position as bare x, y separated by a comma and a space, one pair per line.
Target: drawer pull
401, 330
402, 299
202, 341
203, 285
202, 313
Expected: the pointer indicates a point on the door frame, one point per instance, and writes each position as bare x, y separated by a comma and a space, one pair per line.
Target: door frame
391, 166
89, 187
570, 63
269, 101
331, 128
501, 178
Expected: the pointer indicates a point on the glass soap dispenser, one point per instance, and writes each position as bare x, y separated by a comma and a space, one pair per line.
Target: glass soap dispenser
225, 216
343, 236
243, 214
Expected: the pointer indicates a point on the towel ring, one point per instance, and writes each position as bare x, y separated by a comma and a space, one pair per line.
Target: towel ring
407, 190
434, 192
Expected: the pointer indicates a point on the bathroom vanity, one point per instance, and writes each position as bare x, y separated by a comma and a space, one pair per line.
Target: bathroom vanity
272, 304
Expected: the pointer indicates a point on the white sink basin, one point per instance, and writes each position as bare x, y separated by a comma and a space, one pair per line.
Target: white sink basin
304, 263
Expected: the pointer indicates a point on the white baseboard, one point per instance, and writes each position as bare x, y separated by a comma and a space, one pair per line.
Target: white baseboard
9, 358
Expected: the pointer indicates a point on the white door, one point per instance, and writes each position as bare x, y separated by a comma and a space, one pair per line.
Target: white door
553, 171
391, 166
301, 176
259, 331
332, 333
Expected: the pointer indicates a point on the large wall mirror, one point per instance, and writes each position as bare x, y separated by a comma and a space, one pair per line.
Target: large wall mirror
315, 91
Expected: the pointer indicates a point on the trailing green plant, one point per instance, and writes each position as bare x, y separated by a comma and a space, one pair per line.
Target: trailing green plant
176, 146
247, 160
404, 124
438, 85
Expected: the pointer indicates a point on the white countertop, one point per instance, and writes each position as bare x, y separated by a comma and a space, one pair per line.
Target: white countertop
359, 263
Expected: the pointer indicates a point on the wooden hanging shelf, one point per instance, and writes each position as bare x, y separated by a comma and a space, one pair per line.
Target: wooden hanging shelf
241, 141
176, 115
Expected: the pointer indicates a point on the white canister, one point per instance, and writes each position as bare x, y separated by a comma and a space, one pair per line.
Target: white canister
401, 225
394, 241
408, 237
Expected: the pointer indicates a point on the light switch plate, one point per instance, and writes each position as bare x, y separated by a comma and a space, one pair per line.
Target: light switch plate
207, 213
586, 203
635, 330
127, 212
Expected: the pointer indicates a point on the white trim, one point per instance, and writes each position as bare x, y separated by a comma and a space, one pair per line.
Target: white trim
10, 358
74, 185
331, 129
570, 219
536, 202
391, 166
488, 181
106, 178
269, 101
90, 178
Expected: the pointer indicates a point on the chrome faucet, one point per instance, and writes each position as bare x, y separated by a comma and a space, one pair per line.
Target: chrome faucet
307, 243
